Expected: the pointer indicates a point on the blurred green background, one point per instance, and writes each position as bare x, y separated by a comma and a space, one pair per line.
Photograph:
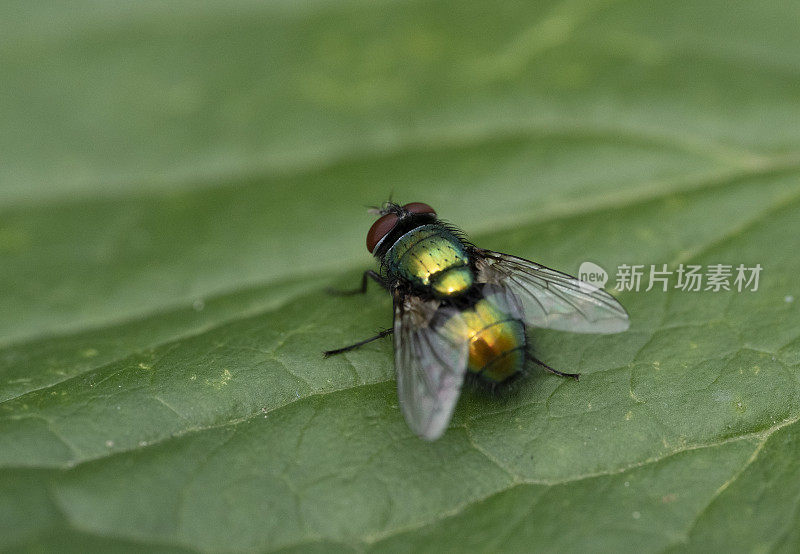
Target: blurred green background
179, 181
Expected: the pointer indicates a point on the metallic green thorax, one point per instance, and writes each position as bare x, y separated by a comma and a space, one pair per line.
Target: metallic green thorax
431, 256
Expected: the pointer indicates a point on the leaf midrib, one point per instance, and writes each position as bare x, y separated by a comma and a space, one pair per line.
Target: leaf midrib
781, 203
568, 209
763, 436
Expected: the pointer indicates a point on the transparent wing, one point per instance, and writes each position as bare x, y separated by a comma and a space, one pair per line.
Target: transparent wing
544, 297
430, 363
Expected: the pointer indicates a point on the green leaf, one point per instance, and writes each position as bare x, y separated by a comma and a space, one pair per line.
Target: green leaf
180, 184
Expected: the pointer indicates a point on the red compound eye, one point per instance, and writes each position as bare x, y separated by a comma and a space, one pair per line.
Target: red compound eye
419, 208
380, 229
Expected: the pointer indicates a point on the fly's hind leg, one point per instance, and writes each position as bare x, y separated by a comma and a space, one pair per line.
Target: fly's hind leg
359, 344
369, 274
535, 360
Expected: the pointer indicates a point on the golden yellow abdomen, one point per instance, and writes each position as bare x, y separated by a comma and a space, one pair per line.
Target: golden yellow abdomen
496, 341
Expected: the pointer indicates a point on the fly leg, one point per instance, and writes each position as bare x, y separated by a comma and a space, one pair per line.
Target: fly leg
551, 370
369, 274
380, 335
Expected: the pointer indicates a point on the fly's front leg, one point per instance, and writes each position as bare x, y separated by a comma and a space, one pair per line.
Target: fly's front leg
369, 274
380, 335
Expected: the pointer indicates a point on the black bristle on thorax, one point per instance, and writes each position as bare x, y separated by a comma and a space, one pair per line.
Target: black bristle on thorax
403, 226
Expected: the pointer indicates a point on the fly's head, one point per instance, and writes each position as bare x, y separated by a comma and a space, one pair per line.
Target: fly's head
394, 217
